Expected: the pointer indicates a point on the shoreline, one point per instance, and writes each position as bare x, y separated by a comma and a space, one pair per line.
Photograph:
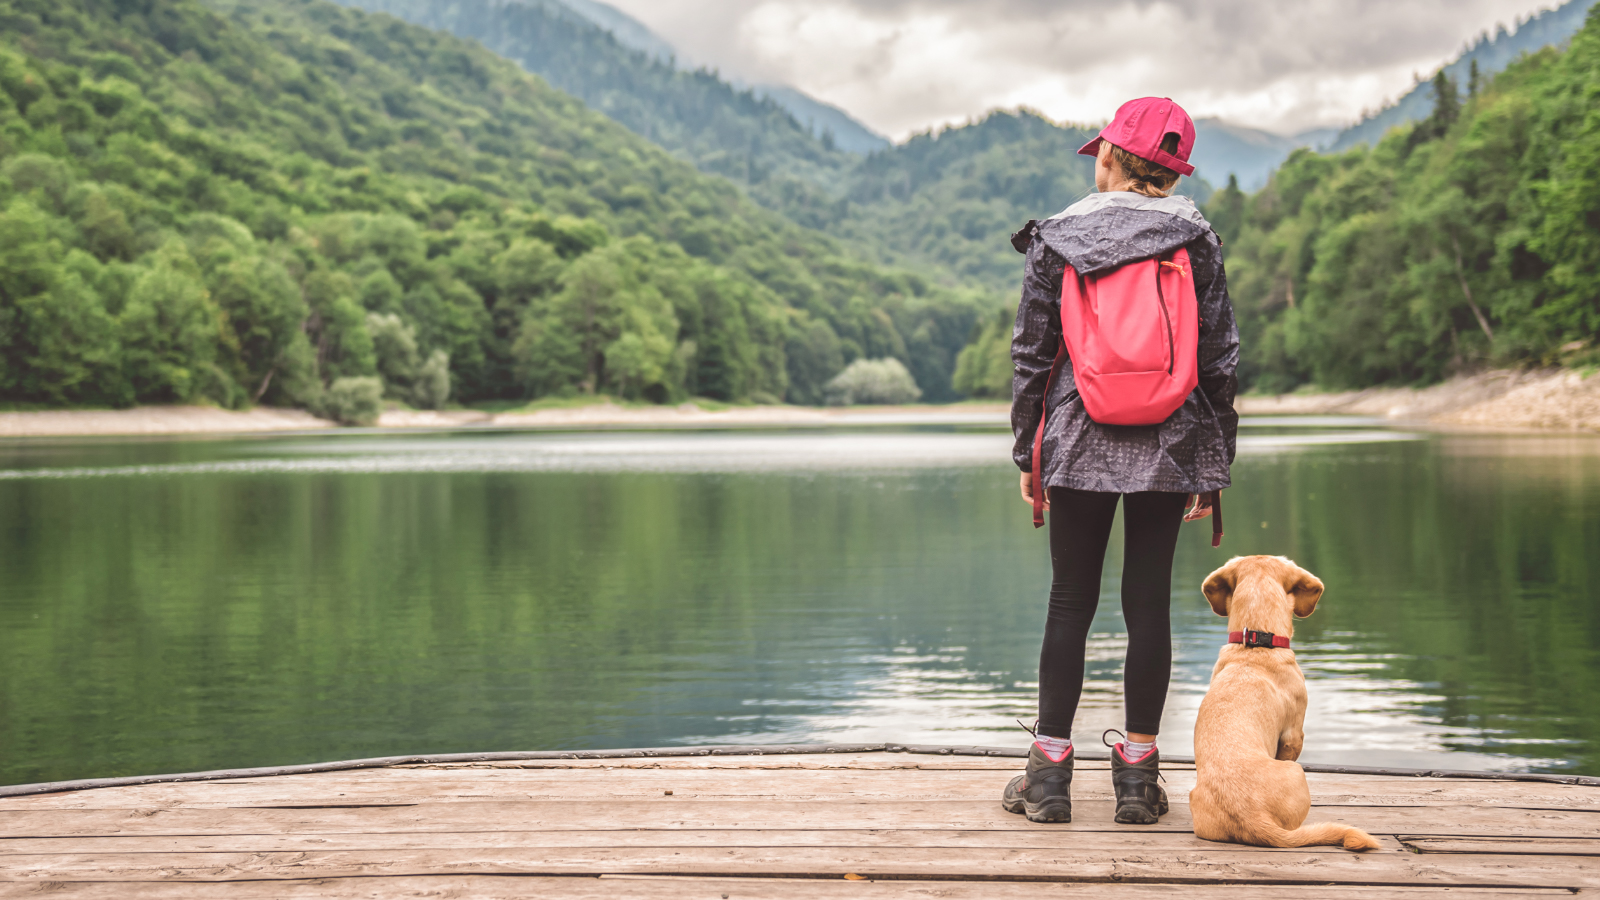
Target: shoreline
1548, 401
174, 421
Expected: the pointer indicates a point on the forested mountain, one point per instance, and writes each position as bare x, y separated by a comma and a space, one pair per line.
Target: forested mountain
951, 198
698, 116
1490, 54
942, 203
286, 201
1470, 237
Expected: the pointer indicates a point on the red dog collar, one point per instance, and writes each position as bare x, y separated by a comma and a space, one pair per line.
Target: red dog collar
1258, 639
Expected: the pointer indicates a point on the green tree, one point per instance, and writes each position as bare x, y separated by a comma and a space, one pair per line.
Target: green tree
1465, 240
337, 327
394, 345
173, 334
609, 328
814, 355
1226, 211
984, 368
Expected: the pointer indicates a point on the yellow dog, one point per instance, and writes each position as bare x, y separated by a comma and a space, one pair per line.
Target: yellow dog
1249, 789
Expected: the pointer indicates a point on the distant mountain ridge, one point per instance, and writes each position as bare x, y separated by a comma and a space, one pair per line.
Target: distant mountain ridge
628, 31
827, 122
1250, 154
1492, 53
824, 120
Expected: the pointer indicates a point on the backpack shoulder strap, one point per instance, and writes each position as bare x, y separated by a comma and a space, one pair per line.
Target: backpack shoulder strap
1216, 518
1038, 437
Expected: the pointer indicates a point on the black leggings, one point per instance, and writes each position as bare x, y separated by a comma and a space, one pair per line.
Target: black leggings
1080, 525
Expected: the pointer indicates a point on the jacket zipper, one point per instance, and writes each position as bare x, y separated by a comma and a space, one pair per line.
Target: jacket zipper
1166, 316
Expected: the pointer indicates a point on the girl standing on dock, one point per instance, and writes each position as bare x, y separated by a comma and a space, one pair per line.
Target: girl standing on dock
1085, 466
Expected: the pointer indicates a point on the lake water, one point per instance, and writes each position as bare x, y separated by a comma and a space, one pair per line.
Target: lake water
183, 605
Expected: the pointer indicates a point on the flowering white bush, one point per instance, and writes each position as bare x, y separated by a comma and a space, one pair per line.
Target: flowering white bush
873, 381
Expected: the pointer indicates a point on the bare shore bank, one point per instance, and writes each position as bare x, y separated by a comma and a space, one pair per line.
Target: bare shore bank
1552, 400
1503, 400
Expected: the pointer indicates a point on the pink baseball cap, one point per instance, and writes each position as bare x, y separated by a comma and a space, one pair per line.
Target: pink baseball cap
1139, 127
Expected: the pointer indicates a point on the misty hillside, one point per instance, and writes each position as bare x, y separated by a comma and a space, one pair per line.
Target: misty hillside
1491, 53
628, 31
823, 119
1222, 149
827, 122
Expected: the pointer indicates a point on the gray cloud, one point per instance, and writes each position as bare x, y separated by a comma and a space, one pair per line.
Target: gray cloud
904, 65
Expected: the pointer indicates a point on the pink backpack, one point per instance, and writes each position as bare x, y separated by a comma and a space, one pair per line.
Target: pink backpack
1133, 334
1134, 337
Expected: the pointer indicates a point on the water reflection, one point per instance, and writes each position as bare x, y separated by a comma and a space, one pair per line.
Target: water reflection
625, 452
203, 604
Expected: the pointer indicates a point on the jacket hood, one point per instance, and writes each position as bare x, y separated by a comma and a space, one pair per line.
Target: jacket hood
1104, 231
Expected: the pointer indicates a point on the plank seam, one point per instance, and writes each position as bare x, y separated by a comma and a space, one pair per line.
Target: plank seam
820, 876
53, 787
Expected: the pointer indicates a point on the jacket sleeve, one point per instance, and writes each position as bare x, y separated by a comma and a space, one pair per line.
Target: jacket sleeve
1219, 336
1034, 343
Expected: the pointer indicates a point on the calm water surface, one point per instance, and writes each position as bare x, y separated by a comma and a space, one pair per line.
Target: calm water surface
184, 605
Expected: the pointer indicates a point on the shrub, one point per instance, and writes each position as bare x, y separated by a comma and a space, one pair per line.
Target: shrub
395, 344
432, 386
873, 381
354, 401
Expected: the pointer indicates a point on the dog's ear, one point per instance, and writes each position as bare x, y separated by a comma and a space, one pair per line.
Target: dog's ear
1305, 588
1218, 587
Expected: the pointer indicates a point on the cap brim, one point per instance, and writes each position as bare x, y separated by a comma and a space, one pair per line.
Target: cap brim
1090, 149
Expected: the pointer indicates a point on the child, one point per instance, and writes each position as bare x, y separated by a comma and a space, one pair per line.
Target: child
1086, 467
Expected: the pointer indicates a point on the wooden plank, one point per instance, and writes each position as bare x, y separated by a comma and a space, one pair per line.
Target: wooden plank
488, 887
386, 786
1104, 842
408, 828
1064, 864
673, 813
1503, 845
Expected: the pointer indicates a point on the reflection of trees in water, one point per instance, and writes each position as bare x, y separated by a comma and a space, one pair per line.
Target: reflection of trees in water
239, 619
190, 622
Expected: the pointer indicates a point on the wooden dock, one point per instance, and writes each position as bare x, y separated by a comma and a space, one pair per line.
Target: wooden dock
862, 826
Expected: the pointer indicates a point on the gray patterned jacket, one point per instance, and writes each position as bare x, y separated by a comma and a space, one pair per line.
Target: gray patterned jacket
1191, 451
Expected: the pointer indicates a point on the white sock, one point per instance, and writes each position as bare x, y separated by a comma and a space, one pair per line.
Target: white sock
1133, 751
1055, 748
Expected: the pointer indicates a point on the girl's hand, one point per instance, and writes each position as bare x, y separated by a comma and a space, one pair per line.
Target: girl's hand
1027, 490
1198, 509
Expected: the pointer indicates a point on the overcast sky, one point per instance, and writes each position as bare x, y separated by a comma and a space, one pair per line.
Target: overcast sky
903, 65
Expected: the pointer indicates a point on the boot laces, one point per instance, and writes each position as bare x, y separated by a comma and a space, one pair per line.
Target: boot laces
1114, 746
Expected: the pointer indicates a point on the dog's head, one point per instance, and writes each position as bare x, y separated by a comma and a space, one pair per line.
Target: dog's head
1300, 587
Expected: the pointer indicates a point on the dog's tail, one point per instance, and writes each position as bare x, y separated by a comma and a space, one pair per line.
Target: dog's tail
1350, 837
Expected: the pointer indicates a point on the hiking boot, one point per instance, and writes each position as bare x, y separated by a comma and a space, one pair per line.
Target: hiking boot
1140, 800
1044, 791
